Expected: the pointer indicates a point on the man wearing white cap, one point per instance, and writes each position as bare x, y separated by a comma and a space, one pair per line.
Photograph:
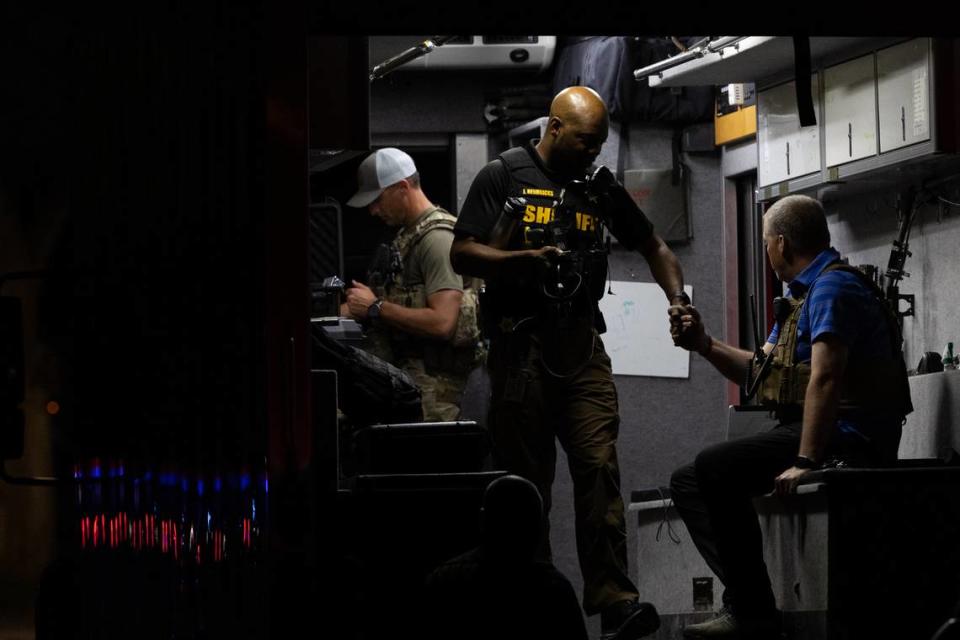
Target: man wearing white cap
419, 314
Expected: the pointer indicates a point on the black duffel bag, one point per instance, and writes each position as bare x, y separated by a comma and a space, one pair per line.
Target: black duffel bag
369, 390
606, 64
673, 105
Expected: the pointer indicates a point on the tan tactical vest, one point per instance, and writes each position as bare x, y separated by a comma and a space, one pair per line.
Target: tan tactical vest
878, 384
462, 351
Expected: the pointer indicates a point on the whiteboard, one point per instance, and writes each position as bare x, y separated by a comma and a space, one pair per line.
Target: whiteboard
638, 332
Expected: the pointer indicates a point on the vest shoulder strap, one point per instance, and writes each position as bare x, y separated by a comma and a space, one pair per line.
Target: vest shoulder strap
896, 339
516, 158
867, 280
435, 219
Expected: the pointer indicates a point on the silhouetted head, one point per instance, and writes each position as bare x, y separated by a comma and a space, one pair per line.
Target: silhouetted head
794, 232
510, 518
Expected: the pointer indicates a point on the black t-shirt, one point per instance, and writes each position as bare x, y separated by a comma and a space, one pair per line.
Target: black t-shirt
540, 186
534, 181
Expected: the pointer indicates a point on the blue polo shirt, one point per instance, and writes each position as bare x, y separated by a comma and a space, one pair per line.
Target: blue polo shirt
839, 303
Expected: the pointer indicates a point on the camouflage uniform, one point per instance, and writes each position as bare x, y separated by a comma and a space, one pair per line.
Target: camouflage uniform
405, 272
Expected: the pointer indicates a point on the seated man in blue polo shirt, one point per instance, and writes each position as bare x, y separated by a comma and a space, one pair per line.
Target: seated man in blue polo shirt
837, 385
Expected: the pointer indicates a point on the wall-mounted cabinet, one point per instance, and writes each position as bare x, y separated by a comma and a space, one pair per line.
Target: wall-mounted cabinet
849, 111
882, 103
787, 150
903, 94
892, 109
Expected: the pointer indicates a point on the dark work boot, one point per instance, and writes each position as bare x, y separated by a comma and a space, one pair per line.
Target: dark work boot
628, 620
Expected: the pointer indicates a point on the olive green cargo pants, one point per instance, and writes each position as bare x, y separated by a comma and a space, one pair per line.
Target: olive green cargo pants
530, 410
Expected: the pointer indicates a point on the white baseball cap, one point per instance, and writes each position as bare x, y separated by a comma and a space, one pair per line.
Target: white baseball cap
378, 171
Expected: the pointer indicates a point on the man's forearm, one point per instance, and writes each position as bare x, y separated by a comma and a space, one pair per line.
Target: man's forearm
665, 269
819, 415
728, 360
423, 322
472, 258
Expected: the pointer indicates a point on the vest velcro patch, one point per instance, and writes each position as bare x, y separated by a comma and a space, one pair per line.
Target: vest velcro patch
528, 191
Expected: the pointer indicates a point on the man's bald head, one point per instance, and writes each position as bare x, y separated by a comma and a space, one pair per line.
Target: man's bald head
580, 104
577, 128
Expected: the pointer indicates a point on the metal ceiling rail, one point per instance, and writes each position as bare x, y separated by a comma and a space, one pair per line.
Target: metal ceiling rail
407, 55
712, 46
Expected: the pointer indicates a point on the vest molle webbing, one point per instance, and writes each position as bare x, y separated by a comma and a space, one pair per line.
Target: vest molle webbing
467, 332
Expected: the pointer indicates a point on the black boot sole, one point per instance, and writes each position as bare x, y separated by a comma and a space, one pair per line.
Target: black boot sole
642, 623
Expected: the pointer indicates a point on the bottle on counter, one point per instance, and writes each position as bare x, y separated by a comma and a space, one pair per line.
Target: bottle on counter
949, 360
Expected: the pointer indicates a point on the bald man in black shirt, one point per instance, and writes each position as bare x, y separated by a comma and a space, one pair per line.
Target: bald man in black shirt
550, 375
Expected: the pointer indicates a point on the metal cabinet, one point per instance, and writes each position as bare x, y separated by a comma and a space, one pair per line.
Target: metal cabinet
903, 94
886, 116
786, 150
850, 114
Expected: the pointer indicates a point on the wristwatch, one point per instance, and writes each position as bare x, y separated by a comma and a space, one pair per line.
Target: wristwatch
373, 311
803, 462
681, 295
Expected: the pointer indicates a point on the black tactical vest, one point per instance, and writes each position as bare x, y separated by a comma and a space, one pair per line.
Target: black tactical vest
586, 233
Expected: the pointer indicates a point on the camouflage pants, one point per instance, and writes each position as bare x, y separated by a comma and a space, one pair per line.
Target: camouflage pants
530, 410
441, 392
